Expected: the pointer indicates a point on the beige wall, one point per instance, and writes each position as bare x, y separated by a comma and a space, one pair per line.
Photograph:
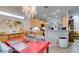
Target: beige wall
14, 10
5, 28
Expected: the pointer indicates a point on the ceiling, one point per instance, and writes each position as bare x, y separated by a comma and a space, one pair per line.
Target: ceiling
49, 13
12, 9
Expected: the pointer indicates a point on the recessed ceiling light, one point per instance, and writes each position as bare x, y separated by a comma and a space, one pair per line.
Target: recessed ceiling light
57, 10
54, 13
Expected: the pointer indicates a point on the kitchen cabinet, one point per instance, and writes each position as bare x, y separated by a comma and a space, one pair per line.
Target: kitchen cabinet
4, 37
35, 22
64, 21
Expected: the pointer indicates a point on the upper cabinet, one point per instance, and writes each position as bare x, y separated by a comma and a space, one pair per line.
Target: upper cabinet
35, 22
64, 21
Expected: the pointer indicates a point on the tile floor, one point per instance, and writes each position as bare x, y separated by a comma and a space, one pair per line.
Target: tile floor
69, 49
61, 50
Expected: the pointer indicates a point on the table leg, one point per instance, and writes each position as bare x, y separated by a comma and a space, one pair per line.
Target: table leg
47, 50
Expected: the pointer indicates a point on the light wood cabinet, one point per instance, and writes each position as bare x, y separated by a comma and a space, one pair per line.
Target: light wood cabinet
37, 22
64, 21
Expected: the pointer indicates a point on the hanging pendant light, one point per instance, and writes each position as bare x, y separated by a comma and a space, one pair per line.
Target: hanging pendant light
30, 11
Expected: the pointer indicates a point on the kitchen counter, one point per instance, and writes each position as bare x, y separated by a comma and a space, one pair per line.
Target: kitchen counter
29, 47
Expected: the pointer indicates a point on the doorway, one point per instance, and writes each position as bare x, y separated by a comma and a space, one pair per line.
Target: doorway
71, 32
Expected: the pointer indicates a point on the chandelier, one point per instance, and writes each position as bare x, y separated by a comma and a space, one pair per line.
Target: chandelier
30, 11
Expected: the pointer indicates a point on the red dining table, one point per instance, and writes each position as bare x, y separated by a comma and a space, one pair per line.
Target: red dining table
30, 46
